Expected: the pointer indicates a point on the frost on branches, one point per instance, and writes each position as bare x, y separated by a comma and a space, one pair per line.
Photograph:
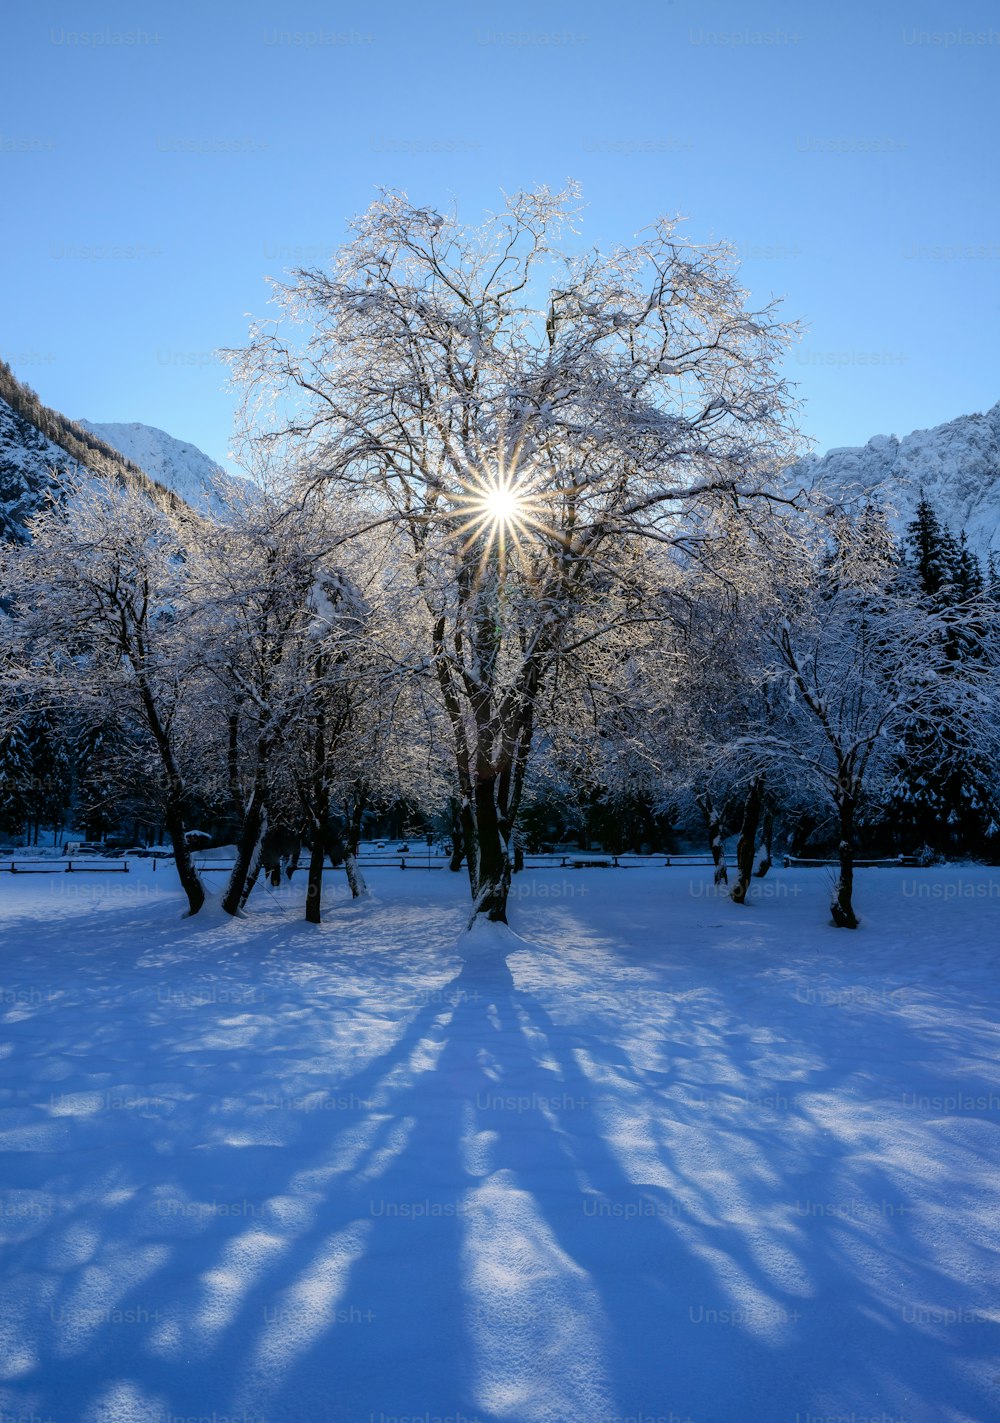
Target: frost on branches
519, 413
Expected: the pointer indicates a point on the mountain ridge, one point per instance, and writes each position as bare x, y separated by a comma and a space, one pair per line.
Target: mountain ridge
956, 465
175, 463
40, 447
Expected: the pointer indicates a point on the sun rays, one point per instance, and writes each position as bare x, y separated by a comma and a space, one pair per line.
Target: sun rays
502, 508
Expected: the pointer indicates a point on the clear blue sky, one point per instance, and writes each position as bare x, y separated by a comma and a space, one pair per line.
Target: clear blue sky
849, 149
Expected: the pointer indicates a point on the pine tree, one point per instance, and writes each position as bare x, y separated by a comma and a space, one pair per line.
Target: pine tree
95, 750
15, 780
969, 580
942, 797
929, 549
52, 772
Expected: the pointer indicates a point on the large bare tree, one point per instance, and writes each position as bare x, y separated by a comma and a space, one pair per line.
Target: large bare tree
521, 413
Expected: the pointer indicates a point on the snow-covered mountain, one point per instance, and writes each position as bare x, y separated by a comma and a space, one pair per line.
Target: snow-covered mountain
28, 462
957, 465
38, 445
183, 468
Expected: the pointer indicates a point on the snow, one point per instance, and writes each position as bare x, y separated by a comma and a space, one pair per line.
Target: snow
957, 465
645, 1154
27, 462
28, 458
182, 467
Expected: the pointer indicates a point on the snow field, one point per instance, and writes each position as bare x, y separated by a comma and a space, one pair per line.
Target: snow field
645, 1156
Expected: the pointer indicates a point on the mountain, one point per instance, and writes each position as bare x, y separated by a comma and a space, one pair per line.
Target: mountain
181, 467
957, 465
29, 463
38, 446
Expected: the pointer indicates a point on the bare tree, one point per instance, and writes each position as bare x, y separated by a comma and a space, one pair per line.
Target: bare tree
99, 603
252, 572
516, 413
859, 657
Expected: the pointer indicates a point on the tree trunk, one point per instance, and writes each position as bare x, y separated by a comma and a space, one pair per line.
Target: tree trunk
356, 880
315, 797
492, 884
256, 867
842, 908
233, 770
747, 842
766, 844
293, 860
174, 813
490, 770
249, 837
457, 837
314, 886
470, 843
183, 861
713, 825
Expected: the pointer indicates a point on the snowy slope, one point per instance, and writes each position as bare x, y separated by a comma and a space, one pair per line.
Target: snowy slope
27, 461
38, 444
674, 1159
956, 464
181, 467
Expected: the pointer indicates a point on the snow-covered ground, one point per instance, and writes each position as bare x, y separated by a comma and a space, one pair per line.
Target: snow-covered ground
670, 1160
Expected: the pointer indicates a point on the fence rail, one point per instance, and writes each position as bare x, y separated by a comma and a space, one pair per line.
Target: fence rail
60, 867
800, 862
584, 860
596, 859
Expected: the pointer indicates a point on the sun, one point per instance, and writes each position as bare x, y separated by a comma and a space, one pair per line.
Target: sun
501, 509
502, 504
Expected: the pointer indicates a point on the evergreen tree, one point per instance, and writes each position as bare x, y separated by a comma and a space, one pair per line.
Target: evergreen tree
930, 549
51, 786
97, 799
969, 580
15, 780
942, 795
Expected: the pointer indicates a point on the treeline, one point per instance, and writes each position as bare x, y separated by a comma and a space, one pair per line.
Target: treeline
943, 797
226, 679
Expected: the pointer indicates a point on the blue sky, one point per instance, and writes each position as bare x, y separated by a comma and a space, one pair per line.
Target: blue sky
159, 161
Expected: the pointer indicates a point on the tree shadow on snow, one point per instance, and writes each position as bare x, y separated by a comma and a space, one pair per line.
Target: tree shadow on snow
495, 1216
